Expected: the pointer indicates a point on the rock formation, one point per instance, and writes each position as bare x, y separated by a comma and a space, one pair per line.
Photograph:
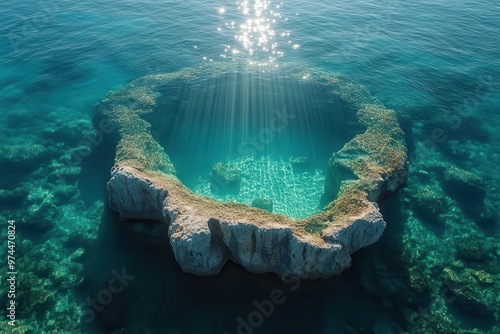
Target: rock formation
225, 177
263, 203
204, 233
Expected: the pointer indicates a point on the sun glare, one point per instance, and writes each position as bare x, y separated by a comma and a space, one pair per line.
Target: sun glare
253, 27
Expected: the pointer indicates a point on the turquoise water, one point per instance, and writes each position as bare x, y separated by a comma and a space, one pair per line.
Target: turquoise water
435, 63
295, 194
262, 125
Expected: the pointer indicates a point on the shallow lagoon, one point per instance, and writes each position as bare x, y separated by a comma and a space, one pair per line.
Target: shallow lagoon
277, 133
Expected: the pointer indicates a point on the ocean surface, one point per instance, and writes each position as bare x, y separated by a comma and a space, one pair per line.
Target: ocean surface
436, 63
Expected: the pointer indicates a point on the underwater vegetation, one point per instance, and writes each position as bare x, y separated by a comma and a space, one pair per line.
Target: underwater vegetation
451, 238
55, 221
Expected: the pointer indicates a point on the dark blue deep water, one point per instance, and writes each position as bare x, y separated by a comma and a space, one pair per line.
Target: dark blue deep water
436, 63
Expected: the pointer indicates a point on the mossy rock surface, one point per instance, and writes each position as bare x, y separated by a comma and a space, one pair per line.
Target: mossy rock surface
464, 182
225, 176
428, 203
417, 280
472, 250
263, 203
468, 294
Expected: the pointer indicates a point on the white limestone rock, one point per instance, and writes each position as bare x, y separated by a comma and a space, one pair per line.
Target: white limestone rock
202, 244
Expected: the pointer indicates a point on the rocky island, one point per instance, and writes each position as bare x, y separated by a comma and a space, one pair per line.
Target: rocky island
205, 233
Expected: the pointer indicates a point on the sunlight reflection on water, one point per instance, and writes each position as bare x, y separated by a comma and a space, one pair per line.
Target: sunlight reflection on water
253, 25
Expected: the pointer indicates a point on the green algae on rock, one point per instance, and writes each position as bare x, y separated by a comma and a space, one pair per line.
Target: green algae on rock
205, 233
263, 203
225, 177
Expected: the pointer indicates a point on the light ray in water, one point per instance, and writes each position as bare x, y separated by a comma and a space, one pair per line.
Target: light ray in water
261, 124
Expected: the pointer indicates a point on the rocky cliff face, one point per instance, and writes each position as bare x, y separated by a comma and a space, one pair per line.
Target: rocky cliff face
204, 233
203, 241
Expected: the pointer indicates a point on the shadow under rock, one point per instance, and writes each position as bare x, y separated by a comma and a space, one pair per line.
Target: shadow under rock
472, 320
434, 224
160, 298
472, 202
383, 269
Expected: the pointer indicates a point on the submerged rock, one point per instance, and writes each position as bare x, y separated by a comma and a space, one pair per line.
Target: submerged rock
429, 204
418, 282
205, 233
23, 156
484, 278
466, 183
263, 203
472, 250
12, 198
225, 177
469, 295
469, 191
